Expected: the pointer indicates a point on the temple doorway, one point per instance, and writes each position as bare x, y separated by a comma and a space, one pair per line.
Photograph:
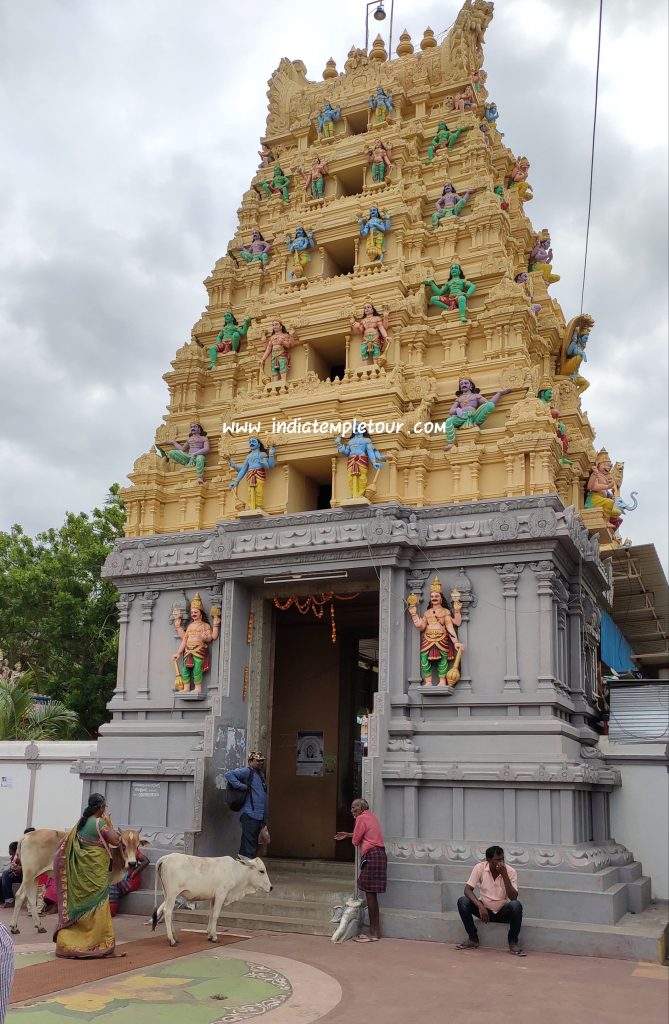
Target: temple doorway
322, 693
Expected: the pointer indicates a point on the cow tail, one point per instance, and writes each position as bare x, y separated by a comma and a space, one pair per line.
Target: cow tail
154, 916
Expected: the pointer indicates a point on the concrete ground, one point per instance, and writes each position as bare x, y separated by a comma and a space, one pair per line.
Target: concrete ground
299, 979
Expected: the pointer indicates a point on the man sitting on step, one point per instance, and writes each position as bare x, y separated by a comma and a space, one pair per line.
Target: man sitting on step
497, 900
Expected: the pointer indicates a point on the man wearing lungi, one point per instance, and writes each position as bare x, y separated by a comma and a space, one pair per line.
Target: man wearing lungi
373, 875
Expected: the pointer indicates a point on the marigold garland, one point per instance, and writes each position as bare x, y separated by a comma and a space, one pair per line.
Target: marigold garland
316, 604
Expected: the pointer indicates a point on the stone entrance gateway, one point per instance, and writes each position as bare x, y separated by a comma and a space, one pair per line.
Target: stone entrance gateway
510, 756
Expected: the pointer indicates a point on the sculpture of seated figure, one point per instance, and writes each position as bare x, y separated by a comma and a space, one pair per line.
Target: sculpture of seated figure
254, 468
450, 204
360, 452
382, 105
266, 155
465, 100
379, 159
456, 291
279, 343
439, 644
257, 252
518, 179
575, 340
278, 185
314, 181
299, 246
470, 409
374, 330
228, 339
444, 139
523, 279
602, 490
195, 640
541, 257
325, 120
192, 452
374, 228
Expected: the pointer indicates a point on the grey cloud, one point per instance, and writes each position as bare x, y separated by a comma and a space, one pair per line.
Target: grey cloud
131, 132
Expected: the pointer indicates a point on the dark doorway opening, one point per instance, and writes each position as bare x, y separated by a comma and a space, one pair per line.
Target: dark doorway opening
322, 693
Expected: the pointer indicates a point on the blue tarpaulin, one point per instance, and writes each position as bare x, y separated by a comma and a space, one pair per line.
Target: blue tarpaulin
616, 652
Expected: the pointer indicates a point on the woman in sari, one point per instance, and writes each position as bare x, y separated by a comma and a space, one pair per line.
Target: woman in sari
81, 871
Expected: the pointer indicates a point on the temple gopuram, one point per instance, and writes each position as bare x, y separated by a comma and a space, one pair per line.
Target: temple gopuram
366, 538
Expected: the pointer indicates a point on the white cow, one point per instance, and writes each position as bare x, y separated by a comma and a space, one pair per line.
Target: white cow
221, 880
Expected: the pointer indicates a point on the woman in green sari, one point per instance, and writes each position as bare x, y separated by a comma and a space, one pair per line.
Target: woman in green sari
81, 871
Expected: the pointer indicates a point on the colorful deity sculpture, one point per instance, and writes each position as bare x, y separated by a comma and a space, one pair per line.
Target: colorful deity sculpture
254, 468
381, 103
484, 128
453, 294
374, 330
280, 340
465, 100
375, 228
266, 155
499, 192
314, 180
193, 650
491, 113
325, 120
477, 77
518, 179
574, 342
541, 257
444, 139
545, 394
379, 159
439, 644
523, 279
257, 252
470, 409
299, 246
360, 453
603, 490
228, 339
192, 452
450, 204
278, 185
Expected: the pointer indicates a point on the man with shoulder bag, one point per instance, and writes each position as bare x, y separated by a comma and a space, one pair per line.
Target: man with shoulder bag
247, 794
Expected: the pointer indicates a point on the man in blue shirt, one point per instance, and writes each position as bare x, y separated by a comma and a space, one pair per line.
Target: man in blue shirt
253, 814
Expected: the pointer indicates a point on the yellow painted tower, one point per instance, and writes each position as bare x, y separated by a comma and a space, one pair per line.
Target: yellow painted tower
513, 336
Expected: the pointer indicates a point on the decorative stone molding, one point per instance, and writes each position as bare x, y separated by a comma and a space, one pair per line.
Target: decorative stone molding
586, 858
98, 766
164, 840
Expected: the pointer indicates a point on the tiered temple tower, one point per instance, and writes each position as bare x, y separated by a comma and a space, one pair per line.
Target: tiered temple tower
509, 754
514, 338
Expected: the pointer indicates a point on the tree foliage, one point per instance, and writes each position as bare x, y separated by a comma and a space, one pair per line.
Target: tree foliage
21, 718
57, 616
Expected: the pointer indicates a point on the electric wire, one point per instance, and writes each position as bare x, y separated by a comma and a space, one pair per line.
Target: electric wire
592, 152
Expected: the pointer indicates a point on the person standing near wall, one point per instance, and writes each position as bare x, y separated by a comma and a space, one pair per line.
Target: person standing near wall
253, 811
367, 834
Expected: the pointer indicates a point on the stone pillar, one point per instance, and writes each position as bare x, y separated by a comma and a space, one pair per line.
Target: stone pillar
508, 574
544, 574
124, 606
415, 585
148, 600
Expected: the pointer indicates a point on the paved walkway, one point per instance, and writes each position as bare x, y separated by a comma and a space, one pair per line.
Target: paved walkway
300, 979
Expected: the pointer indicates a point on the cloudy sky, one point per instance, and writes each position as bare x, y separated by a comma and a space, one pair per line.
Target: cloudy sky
130, 130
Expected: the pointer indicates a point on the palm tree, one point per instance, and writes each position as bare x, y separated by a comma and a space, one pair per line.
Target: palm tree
21, 718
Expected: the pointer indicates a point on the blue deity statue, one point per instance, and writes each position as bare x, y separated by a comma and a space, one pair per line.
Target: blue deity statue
299, 246
325, 120
382, 105
374, 229
359, 452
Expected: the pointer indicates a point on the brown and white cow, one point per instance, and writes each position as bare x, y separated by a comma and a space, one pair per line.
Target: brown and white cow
219, 880
37, 850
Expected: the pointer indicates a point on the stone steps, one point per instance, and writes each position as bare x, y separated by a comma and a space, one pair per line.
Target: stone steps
641, 936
